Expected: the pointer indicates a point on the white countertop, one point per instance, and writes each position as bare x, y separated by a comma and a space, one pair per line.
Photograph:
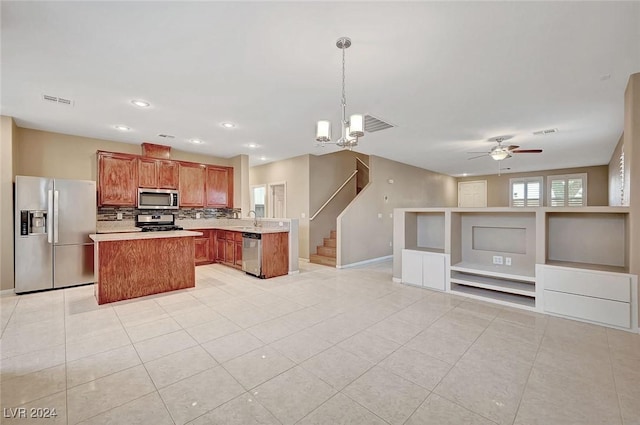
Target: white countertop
104, 237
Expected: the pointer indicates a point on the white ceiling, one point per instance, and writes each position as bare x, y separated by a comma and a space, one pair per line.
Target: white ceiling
450, 75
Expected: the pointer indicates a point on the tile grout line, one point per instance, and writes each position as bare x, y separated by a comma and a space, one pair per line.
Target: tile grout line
526, 384
615, 382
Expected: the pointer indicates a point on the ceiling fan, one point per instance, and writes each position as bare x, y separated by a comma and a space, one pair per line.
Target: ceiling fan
500, 152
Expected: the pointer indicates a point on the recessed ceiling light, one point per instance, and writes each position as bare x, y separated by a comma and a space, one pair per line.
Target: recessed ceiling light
464, 174
196, 141
253, 145
228, 125
121, 127
263, 158
141, 103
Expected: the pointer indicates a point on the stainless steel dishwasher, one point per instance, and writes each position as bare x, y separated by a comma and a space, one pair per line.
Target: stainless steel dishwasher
252, 253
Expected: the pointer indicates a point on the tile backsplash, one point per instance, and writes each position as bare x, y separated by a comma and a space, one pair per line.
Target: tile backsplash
111, 213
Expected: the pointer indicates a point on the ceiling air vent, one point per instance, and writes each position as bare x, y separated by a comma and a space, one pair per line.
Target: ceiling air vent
166, 136
545, 132
372, 124
58, 100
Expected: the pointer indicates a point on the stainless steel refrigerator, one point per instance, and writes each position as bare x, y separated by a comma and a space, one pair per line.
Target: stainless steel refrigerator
53, 220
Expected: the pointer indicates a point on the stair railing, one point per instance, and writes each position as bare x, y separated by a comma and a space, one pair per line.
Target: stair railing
335, 193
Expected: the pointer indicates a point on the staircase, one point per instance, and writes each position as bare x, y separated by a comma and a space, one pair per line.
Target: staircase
326, 253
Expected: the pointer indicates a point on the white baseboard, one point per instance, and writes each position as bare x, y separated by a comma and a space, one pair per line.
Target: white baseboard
294, 272
397, 279
362, 263
306, 260
7, 292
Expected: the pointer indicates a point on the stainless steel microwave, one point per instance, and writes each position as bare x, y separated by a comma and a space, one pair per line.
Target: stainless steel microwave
158, 199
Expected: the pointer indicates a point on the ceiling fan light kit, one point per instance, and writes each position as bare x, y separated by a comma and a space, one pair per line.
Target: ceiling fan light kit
353, 128
500, 152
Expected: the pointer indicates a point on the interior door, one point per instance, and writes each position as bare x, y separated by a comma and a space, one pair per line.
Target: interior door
472, 194
278, 200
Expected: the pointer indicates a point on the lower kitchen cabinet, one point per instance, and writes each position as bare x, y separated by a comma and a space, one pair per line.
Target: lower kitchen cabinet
204, 247
275, 254
228, 248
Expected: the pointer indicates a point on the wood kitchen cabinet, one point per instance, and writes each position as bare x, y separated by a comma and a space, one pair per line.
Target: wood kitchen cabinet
275, 254
202, 248
219, 187
158, 173
117, 179
192, 184
205, 247
237, 258
228, 248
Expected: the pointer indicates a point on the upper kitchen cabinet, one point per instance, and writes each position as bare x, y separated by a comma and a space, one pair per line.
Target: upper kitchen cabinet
192, 184
219, 187
158, 173
117, 179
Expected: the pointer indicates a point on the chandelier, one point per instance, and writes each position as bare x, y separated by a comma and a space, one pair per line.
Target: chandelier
353, 128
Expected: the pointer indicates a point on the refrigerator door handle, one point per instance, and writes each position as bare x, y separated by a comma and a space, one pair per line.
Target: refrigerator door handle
49, 216
56, 194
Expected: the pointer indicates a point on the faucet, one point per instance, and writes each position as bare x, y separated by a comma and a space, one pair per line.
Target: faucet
255, 218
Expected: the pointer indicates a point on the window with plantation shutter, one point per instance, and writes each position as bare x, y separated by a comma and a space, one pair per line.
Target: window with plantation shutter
525, 192
567, 191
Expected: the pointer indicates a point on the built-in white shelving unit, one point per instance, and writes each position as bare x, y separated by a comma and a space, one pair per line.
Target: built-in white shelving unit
571, 262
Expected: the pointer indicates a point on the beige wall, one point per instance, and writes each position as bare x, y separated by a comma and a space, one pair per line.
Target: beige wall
47, 154
632, 156
363, 235
241, 192
326, 174
498, 186
615, 195
295, 172
8, 131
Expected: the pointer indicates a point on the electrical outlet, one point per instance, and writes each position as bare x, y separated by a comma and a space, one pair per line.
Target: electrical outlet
497, 259
379, 215
390, 215
198, 215
118, 216
507, 261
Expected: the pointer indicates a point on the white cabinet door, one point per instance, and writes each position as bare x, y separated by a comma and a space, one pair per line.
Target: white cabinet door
424, 269
411, 267
433, 271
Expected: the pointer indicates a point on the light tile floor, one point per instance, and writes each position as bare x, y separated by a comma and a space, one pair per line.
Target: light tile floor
325, 346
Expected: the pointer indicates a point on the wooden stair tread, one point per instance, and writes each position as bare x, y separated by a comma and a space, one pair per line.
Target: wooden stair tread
322, 260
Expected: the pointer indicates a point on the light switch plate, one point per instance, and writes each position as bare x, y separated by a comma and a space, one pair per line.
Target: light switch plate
507, 261
379, 215
198, 215
497, 259
118, 216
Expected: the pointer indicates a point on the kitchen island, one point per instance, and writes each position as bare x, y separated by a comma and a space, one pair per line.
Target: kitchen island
131, 265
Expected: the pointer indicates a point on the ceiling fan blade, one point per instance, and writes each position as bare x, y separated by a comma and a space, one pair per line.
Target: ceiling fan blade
511, 147
479, 156
527, 151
